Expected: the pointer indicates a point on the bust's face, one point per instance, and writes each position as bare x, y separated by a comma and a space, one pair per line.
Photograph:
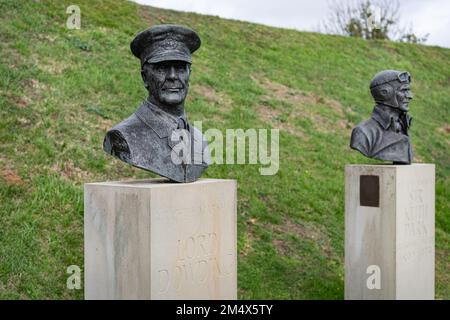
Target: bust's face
167, 81
395, 94
404, 96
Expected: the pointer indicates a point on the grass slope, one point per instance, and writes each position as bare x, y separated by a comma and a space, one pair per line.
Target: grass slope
60, 90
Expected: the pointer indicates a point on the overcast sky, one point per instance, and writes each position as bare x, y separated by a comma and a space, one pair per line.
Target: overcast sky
426, 16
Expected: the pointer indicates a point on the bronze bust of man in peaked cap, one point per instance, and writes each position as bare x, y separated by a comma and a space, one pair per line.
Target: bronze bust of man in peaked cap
158, 136
385, 135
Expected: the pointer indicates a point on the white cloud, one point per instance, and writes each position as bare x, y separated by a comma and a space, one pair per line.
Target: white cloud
430, 16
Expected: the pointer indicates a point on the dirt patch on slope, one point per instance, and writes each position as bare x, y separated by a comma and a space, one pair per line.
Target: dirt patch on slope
302, 104
212, 96
307, 230
11, 177
69, 172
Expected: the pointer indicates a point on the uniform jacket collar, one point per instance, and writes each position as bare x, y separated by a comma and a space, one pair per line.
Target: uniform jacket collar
158, 120
385, 117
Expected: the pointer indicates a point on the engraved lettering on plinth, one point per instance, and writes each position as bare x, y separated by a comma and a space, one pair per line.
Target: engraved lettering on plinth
159, 240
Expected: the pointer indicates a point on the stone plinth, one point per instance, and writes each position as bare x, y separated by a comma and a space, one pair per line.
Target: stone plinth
154, 239
389, 231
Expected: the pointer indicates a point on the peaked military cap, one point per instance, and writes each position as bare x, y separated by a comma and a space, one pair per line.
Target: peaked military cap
164, 43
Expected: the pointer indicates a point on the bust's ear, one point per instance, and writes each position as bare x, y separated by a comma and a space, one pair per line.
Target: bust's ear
384, 92
144, 77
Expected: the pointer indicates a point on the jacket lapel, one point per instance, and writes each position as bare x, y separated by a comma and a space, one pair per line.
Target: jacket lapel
159, 121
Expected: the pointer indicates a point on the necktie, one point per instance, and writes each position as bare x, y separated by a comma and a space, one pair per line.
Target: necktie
405, 121
182, 123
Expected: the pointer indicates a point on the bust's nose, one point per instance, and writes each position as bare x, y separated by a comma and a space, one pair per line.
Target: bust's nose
409, 95
172, 75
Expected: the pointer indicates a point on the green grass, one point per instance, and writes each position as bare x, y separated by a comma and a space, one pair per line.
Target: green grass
60, 90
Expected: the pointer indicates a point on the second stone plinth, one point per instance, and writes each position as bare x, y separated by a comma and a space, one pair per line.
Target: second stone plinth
389, 231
